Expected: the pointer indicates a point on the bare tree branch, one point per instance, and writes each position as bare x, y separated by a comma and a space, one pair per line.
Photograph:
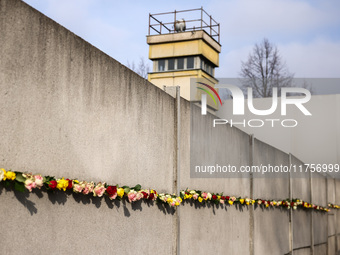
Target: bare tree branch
142, 69
264, 70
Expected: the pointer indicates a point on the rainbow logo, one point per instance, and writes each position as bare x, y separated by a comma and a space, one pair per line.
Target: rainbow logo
209, 93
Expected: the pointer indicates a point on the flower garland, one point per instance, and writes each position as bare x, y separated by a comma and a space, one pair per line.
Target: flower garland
28, 181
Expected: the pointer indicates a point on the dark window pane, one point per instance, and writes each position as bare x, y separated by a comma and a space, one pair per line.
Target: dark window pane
180, 63
190, 62
171, 64
202, 64
161, 65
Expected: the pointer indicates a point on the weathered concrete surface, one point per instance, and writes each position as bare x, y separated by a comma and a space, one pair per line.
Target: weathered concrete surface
320, 228
279, 186
320, 249
305, 251
331, 246
271, 233
319, 182
221, 145
67, 109
60, 224
301, 229
300, 182
212, 230
267, 237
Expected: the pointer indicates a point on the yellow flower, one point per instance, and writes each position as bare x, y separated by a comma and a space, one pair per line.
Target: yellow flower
247, 203
267, 205
200, 199
230, 202
186, 196
177, 204
10, 175
253, 201
274, 203
62, 184
242, 201
75, 181
120, 192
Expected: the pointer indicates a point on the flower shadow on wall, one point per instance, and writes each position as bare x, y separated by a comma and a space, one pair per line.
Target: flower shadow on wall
57, 197
22, 197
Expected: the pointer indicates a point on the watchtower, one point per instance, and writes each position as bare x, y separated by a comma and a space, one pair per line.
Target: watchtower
184, 45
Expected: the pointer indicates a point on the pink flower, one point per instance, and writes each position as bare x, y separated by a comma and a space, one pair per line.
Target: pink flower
139, 196
88, 188
77, 188
30, 184
132, 196
39, 181
204, 195
195, 196
99, 190
222, 201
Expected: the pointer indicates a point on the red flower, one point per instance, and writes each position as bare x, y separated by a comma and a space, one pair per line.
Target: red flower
70, 184
263, 202
227, 197
145, 195
268, 202
152, 195
53, 184
214, 197
223, 197
292, 204
111, 190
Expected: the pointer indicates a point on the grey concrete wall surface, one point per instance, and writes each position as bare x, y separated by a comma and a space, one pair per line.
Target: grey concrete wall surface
67, 109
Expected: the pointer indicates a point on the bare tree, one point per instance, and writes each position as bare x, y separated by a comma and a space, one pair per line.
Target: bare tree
142, 69
264, 70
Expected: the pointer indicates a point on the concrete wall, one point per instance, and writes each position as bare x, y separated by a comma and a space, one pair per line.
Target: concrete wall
325, 110
67, 109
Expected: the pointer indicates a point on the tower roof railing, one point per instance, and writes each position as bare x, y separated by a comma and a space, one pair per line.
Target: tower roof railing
197, 19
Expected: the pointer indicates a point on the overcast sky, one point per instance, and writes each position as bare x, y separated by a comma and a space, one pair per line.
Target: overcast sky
306, 32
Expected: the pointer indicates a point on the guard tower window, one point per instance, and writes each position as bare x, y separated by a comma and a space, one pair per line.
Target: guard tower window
190, 62
180, 63
207, 66
171, 64
161, 65
184, 63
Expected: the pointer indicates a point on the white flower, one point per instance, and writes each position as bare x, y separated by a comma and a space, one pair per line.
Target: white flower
2, 174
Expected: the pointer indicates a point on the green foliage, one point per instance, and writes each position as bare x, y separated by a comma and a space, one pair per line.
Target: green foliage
19, 177
19, 186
